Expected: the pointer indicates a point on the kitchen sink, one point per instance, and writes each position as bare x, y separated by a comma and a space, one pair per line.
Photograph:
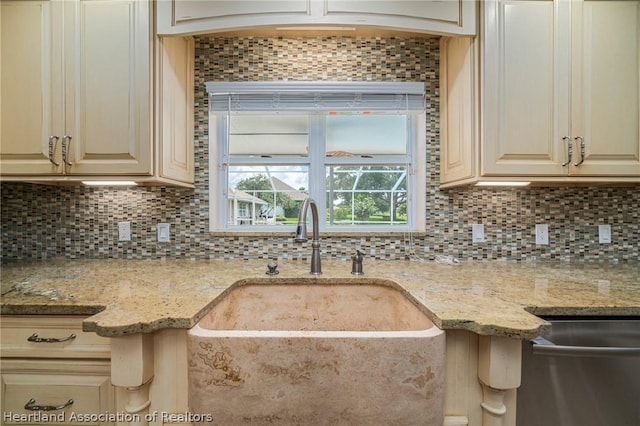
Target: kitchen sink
317, 352
325, 306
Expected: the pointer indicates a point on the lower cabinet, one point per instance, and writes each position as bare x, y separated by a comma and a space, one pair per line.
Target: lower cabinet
482, 377
54, 373
463, 392
59, 392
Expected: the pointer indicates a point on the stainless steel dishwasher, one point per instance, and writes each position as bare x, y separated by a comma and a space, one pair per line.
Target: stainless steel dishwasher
586, 372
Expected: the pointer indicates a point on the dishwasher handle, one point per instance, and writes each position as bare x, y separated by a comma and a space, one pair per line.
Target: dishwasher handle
542, 346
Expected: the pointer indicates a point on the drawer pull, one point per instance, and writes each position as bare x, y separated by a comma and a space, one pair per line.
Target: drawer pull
34, 338
31, 405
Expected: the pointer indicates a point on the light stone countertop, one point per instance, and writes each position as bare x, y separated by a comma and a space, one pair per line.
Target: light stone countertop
489, 298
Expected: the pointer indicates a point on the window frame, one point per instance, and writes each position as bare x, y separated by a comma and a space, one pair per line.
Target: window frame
317, 161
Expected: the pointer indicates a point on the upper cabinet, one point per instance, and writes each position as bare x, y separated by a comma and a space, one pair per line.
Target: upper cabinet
32, 95
452, 17
79, 92
558, 90
605, 88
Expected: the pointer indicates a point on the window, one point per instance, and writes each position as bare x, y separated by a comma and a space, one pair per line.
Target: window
355, 148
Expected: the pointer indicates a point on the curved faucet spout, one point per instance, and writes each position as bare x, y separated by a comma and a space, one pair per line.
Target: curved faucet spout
301, 232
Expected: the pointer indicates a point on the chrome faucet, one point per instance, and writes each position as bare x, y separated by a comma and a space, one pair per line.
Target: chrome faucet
301, 233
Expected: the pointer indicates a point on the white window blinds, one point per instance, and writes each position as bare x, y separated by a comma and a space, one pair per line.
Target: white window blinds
315, 96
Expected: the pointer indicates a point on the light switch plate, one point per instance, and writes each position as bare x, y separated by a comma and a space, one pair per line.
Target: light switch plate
542, 234
124, 231
164, 232
477, 233
604, 234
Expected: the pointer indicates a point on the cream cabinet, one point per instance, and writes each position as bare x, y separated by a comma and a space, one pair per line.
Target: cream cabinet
80, 83
53, 372
548, 93
32, 96
482, 375
427, 16
143, 378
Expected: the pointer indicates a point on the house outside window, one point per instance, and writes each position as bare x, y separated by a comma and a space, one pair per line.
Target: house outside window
244, 208
355, 148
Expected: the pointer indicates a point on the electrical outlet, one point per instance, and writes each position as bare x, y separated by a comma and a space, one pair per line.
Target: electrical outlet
477, 233
542, 234
164, 232
124, 231
604, 234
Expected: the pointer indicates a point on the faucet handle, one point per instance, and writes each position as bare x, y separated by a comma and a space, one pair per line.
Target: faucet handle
272, 268
356, 266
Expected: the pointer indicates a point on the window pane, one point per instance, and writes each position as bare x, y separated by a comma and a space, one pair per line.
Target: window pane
268, 135
266, 195
371, 195
358, 135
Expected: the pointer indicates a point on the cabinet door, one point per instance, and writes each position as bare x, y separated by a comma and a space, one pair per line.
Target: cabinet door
175, 17
448, 11
31, 86
108, 87
188, 17
606, 78
80, 390
458, 109
526, 88
188, 10
174, 97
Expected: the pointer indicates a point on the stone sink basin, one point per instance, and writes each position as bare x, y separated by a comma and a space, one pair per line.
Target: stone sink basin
317, 352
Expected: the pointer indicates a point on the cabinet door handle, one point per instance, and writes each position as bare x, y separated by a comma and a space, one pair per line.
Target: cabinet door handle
34, 338
31, 406
66, 144
53, 141
569, 150
581, 140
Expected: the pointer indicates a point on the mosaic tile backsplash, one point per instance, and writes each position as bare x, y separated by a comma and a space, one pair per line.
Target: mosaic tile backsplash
44, 222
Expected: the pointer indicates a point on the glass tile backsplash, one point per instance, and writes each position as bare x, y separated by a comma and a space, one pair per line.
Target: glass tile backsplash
44, 222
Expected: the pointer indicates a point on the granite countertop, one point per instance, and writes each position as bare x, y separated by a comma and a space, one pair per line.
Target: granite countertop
499, 298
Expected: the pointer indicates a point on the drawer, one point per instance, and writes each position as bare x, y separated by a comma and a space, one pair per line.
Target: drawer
54, 383
18, 329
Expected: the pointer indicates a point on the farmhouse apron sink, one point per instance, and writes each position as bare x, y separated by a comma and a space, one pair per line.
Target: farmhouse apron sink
317, 352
